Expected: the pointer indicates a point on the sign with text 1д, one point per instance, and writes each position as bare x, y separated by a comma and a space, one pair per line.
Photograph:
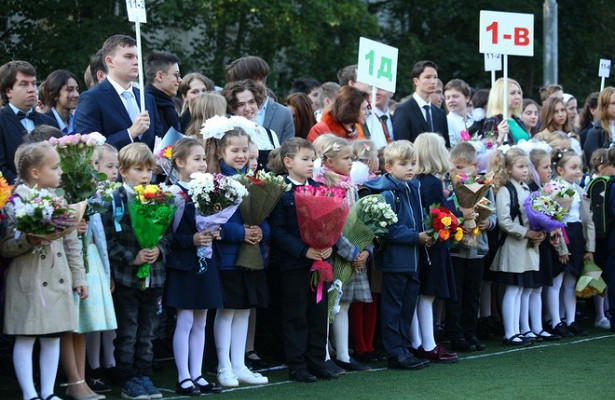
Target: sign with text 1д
377, 64
506, 33
604, 70
136, 11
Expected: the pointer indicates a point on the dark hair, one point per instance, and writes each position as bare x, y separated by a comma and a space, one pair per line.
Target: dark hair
184, 86
480, 98
288, 149
8, 75
249, 67
560, 157
97, 63
347, 74
115, 41
527, 102
304, 85
612, 156
231, 90
346, 107
420, 66
459, 85
53, 85
599, 157
591, 103
547, 114
41, 133
158, 61
303, 117
547, 90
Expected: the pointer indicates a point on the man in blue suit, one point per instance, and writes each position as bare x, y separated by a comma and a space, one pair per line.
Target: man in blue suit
18, 117
112, 107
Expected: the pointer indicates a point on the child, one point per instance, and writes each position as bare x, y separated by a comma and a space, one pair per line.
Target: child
243, 289
365, 161
468, 263
304, 321
582, 243
335, 172
136, 310
399, 259
436, 268
186, 290
105, 161
253, 157
598, 191
514, 256
39, 284
319, 143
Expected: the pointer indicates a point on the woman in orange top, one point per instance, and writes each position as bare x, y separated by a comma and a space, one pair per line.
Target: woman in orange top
345, 117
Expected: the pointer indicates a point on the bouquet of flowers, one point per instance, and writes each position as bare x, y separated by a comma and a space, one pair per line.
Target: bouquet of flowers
163, 158
560, 193
5, 194
264, 191
470, 189
484, 209
590, 282
443, 225
151, 211
543, 212
367, 219
216, 198
321, 213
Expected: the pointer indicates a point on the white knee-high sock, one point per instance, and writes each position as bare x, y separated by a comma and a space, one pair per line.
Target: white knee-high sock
197, 345
424, 311
341, 332
485, 299
510, 315
570, 298
239, 334
107, 344
536, 311
415, 331
49, 359
222, 333
22, 362
181, 348
92, 349
553, 299
524, 311
251, 331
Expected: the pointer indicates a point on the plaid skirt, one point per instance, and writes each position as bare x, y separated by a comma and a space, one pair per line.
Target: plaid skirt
357, 289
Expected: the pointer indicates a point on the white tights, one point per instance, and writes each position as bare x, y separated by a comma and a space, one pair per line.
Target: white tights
531, 310
188, 344
341, 332
94, 341
22, 362
421, 330
230, 331
569, 298
511, 309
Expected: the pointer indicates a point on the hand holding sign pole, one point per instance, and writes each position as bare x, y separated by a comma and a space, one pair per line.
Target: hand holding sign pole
137, 14
377, 66
604, 71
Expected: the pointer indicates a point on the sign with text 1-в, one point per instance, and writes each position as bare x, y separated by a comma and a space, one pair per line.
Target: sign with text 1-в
604, 70
493, 62
377, 64
506, 33
136, 11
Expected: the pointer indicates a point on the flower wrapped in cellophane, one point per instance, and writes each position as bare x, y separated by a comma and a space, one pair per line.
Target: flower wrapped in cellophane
264, 191
470, 189
367, 220
216, 198
151, 211
561, 193
590, 283
544, 213
443, 225
321, 213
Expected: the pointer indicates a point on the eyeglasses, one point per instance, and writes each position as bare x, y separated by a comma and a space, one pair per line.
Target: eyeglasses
177, 76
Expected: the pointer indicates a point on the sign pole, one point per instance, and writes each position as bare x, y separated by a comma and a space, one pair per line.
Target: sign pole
137, 14
602, 84
140, 59
492, 78
374, 90
505, 64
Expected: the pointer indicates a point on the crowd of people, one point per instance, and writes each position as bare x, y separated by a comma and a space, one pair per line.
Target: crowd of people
513, 282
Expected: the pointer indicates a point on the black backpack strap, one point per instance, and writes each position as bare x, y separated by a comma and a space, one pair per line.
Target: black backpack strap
270, 137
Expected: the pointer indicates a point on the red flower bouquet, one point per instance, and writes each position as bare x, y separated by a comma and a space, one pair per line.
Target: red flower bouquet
443, 225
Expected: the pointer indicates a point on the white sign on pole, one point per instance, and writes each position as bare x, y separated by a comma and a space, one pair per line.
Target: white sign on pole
604, 70
493, 62
377, 64
506, 33
136, 11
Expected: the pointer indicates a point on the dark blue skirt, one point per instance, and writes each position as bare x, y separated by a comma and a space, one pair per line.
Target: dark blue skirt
576, 248
187, 290
436, 272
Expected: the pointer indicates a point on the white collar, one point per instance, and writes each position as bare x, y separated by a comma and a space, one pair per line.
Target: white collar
118, 88
422, 103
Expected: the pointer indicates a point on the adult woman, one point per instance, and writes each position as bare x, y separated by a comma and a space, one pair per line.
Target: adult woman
345, 116
573, 112
601, 134
529, 115
588, 115
61, 93
303, 117
192, 86
243, 99
509, 129
204, 107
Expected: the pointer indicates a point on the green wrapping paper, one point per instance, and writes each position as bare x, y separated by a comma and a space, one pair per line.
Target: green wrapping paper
590, 282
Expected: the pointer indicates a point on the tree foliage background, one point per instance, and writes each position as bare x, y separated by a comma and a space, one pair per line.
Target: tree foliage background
307, 37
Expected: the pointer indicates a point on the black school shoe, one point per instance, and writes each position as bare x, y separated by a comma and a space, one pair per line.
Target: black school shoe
353, 365
334, 368
322, 372
561, 330
576, 330
301, 375
97, 382
407, 363
191, 390
462, 345
473, 340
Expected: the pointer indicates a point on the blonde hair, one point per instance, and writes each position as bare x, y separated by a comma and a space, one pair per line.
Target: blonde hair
552, 138
331, 150
364, 150
321, 142
202, 108
602, 111
399, 150
181, 150
136, 155
464, 151
431, 154
100, 151
29, 156
501, 162
559, 158
495, 105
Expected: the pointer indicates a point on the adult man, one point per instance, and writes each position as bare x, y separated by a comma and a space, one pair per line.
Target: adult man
271, 114
18, 117
418, 115
383, 112
163, 79
112, 107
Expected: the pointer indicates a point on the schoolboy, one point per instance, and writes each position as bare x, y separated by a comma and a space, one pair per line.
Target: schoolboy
398, 257
468, 261
136, 309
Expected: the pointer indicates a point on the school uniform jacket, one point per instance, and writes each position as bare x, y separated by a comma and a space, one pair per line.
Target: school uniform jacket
409, 122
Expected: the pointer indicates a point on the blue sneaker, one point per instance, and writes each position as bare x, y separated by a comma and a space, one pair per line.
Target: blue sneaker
149, 387
134, 390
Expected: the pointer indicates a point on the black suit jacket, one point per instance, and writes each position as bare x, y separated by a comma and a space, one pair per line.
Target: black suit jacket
12, 133
101, 110
409, 122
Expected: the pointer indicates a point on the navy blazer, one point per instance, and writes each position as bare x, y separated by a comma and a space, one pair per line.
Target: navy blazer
279, 119
101, 110
409, 122
12, 133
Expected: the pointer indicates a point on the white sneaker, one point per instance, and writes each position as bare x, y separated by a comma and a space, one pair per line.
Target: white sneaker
603, 324
227, 378
252, 378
